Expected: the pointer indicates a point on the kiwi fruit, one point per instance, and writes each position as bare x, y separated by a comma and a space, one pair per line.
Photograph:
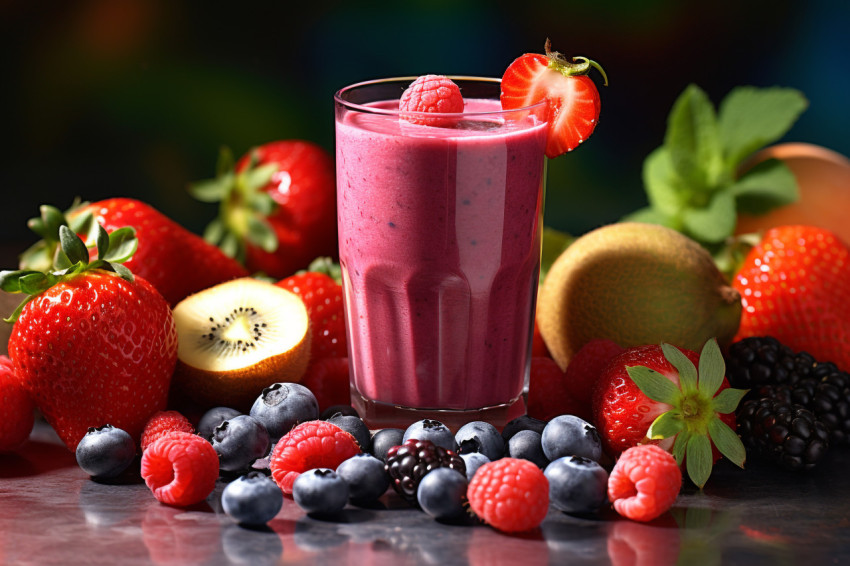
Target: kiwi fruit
238, 337
635, 284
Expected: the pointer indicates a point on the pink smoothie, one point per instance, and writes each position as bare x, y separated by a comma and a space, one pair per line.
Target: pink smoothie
439, 234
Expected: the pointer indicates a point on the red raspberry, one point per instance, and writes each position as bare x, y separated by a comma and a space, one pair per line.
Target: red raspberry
430, 93
161, 423
180, 468
584, 370
327, 378
510, 494
313, 444
644, 483
17, 421
548, 395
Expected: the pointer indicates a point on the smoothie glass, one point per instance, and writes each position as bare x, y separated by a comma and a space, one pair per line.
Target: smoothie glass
439, 238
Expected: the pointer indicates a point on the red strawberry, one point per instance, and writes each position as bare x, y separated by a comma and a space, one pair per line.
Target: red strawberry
649, 393
548, 395
572, 97
165, 250
584, 370
92, 344
322, 294
17, 420
278, 206
328, 380
795, 286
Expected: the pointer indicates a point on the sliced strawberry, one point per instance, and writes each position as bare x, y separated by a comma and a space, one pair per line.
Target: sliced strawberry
572, 97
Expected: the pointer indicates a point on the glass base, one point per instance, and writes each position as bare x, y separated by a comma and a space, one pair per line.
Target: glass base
379, 415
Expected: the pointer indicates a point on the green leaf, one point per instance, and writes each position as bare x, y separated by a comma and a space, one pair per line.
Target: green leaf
693, 140
727, 442
649, 215
122, 271
73, 246
554, 244
35, 283
751, 118
214, 232
230, 246
225, 162
10, 281
728, 400
37, 225
123, 243
712, 368
665, 425
212, 190
53, 219
258, 177
768, 185
60, 260
663, 187
17, 312
715, 222
263, 203
654, 385
698, 461
260, 233
680, 446
687, 370
83, 224
102, 241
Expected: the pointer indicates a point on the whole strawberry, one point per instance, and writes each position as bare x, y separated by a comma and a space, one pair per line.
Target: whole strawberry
795, 286
165, 247
278, 206
652, 393
17, 420
321, 292
92, 344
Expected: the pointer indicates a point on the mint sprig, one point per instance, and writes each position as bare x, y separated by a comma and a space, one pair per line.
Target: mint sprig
692, 181
694, 419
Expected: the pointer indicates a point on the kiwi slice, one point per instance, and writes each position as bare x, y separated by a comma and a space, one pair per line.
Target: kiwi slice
238, 337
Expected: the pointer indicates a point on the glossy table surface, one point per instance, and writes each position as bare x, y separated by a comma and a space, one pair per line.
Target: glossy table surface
52, 513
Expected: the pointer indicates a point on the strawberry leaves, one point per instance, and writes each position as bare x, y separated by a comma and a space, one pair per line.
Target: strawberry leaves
694, 418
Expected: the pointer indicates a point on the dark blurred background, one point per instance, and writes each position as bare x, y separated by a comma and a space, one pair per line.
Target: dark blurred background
134, 97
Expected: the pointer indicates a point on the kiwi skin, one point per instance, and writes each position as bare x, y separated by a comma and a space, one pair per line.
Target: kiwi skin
635, 284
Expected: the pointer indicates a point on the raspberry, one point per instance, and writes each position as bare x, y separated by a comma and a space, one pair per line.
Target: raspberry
548, 393
180, 468
313, 444
510, 494
17, 421
430, 93
327, 378
161, 423
583, 371
644, 483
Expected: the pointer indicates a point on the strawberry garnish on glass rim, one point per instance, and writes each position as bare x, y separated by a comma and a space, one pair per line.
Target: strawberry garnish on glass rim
571, 95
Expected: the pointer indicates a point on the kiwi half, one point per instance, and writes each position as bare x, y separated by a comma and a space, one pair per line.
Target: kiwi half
238, 337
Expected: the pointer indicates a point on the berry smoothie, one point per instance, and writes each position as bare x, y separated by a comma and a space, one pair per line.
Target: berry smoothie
439, 235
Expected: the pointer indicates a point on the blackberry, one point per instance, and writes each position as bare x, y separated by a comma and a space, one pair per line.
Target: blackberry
831, 404
786, 433
763, 360
408, 463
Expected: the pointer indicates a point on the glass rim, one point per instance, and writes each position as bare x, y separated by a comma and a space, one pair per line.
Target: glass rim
389, 112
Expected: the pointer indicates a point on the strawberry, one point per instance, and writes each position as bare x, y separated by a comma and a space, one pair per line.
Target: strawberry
278, 206
650, 393
548, 394
571, 95
328, 380
795, 286
92, 344
321, 292
165, 248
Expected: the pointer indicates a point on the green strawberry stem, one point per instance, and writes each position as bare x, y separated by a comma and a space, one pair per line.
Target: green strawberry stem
578, 66
694, 420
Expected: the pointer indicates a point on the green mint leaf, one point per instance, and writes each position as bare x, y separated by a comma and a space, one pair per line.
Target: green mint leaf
698, 454
693, 140
687, 370
665, 425
712, 368
715, 222
123, 243
211, 190
261, 233
225, 162
73, 246
664, 188
680, 445
727, 442
768, 185
751, 118
728, 400
102, 241
654, 385
554, 244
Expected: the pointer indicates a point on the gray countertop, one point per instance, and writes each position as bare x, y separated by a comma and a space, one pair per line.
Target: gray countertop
52, 513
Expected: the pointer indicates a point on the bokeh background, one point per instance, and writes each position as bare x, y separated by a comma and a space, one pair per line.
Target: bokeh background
134, 98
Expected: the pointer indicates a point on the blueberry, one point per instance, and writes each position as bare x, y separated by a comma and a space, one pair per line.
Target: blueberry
526, 444
435, 431
105, 452
356, 427
366, 478
239, 442
385, 439
523, 422
473, 461
283, 405
213, 418
442, 493
320, 490
482, 437
576, 484
338, 410
252, 499
568, 435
